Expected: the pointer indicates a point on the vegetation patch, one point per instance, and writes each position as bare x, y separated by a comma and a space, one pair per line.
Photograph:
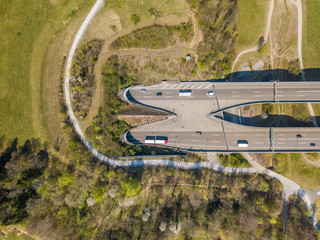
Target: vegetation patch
159, 202
217, 21
105, 129
155, 37
82, 81
233, 160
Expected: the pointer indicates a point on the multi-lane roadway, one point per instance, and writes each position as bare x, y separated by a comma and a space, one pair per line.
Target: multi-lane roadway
192, 126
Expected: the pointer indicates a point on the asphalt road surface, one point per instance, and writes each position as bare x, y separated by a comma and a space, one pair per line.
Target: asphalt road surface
192, 114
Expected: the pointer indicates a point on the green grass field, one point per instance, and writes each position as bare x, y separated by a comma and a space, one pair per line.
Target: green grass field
292, 166
27, 28
125, 8
311, 34
252, 17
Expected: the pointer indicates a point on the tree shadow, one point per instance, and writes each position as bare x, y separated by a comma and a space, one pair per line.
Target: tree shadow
268, 120
281, 75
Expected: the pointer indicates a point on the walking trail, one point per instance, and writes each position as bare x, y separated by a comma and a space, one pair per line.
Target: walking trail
289, 187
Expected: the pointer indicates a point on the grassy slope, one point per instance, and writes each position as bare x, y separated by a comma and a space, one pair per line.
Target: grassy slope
291, 166
316, 109
126, 8
27, 27
311, 34
252, 18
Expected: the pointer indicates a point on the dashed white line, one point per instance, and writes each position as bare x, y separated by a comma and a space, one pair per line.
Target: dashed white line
309, 91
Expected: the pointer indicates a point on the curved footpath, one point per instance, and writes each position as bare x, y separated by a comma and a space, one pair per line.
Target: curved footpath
289, 187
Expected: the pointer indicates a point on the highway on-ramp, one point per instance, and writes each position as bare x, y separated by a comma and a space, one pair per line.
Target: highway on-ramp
192, 126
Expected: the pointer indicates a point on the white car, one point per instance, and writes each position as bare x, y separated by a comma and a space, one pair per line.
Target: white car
143, 90
210, 93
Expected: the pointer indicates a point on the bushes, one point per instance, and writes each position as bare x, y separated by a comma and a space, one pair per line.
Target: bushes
294, 67
83, 81
217, 21
135, 19
154, 37
233, 160
105, 129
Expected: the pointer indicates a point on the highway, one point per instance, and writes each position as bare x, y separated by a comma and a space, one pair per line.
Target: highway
289, 187
192, 114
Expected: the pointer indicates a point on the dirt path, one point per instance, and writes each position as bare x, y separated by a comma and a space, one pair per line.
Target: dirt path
266, 35
315, 164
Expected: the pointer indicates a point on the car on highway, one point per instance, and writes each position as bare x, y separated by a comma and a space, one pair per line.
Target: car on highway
185, 92
198, 132
159, 94
143, 90
299, 136
210, 93
150, 139
243, 143
312, 144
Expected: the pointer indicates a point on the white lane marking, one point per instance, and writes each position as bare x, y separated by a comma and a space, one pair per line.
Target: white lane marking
309, 91
281, 143
166, 86
256, 91
194, 140
216, 134
259, 135
279, 134
147, 97
193, 86
291, 138
235, 96
281, 139
238, 134
168, 92
301, 95
173, 134
209, 86
302, 143
168, 97
200, 86
259, 142
256, 95
279, 95
279, 91
173, 86
216, 141
234, 91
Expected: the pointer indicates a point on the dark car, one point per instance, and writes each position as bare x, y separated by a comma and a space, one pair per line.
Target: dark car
312, 144
159, 93
198, 133
299, 136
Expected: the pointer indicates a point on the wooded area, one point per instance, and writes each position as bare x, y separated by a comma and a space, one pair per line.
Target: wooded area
83, 199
